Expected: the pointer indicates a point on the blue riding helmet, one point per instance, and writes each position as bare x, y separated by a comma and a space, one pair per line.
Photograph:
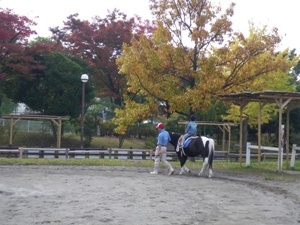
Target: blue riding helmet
192, 118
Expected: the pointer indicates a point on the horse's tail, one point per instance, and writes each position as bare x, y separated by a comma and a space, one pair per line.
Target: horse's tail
210, 151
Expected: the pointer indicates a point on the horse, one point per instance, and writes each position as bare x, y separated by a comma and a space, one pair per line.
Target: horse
195, 146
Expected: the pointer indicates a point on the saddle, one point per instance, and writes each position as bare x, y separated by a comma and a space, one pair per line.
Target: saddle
186, 142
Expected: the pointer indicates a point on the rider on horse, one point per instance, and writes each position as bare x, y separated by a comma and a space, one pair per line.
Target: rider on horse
191, 130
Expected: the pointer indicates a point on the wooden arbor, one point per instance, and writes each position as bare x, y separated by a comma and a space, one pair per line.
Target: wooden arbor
286, 101
57, 120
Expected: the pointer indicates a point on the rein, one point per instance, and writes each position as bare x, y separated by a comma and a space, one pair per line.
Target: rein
182, 152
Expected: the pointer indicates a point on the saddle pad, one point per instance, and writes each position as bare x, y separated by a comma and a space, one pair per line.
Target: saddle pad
186, 144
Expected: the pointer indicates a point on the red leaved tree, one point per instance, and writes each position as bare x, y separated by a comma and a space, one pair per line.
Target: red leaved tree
14, 33
100, 43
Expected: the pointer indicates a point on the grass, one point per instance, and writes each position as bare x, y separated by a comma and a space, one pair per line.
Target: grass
70, 141
268, 170
113, 142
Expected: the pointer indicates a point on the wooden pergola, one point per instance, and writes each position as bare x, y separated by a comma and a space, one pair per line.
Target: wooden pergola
224, 126
286, 101
57, 120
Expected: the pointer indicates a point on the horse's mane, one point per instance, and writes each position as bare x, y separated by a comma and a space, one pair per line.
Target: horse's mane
174, 138
174, 133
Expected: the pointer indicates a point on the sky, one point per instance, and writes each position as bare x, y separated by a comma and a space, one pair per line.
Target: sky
275, 13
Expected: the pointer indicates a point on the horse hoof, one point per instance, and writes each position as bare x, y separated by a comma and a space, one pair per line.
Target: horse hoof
188, 171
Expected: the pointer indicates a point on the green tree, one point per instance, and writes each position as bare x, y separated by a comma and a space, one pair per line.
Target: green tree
55, 89
6, 105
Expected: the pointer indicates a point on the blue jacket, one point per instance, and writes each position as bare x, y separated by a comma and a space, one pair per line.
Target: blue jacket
163, 137
191, 128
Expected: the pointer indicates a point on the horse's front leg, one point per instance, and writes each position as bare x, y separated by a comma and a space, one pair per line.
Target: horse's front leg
204, 165
183, 167
187, 170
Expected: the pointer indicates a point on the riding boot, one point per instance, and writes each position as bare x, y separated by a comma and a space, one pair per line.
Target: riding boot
177, 148
180, 144
155, 171
171, 171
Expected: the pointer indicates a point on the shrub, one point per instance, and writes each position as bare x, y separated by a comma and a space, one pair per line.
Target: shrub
150, 142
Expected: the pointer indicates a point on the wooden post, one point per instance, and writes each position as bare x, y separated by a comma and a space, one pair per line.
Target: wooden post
101, 155
130, 154
280, 141
109, 151
259, 134
87, 154
116, 154
21, 152
242, 106
143, 155
67, 153
10, 132
59, 133
287, 136
41, 154
229, 142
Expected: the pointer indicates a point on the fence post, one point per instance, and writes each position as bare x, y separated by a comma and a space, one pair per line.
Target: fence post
150, 154
21, 152
248, 153
109, 150
116, 152
41, 154
130, 154
87, 154
101, 155
67, 153
293, 156
56, 154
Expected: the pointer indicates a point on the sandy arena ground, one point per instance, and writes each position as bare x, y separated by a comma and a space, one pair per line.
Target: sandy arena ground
92, 195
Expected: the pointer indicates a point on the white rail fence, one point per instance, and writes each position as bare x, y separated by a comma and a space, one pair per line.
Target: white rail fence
272, 149
293, 157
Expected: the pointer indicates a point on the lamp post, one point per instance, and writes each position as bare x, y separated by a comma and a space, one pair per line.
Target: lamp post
84, 79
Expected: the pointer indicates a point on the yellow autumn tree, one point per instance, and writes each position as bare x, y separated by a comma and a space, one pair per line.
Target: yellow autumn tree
278, 81
193, 56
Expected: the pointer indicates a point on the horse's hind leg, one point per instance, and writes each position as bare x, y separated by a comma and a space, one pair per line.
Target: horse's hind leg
204, 165
210, 172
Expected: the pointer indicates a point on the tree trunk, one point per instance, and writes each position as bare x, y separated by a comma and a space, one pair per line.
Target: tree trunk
121, 140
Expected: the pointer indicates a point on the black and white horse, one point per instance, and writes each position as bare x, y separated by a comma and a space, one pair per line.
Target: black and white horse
195, 146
